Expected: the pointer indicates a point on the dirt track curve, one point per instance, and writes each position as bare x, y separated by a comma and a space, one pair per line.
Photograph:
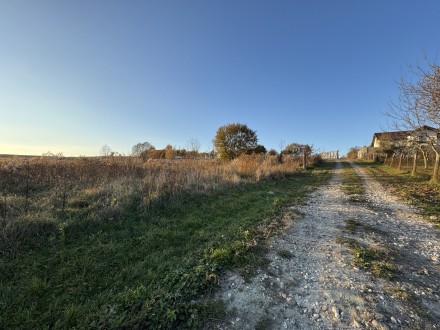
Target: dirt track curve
313, 282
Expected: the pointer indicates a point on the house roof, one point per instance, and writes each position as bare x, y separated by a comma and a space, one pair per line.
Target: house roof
390, 136
399, 135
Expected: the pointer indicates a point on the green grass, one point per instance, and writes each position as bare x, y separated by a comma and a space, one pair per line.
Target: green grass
149, 268
377, 260
352, 184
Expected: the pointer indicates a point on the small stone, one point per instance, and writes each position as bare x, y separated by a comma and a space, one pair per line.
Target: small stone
335, 311
393, 319
315, 316
379, 326
233, 278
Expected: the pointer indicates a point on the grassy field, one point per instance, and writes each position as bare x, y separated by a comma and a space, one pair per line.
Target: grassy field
126, 258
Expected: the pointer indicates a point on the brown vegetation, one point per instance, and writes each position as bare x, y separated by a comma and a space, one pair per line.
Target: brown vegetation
38, 194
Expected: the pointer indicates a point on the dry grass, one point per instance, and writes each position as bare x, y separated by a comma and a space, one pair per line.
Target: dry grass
121, 244
407, 165
417, 189
37, 194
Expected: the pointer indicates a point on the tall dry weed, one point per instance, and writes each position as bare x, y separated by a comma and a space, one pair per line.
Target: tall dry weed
38, 193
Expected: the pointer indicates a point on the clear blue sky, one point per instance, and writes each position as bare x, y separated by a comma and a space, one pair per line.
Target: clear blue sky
75, 75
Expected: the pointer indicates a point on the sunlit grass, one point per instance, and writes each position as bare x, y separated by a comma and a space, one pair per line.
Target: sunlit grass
418, 190
352, 184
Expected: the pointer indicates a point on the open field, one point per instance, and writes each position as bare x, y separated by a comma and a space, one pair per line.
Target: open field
114, 242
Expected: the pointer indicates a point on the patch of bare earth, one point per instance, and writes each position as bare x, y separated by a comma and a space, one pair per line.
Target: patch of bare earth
314, 282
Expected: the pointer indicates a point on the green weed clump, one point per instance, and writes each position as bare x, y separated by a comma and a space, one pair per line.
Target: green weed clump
377, 260
352, 184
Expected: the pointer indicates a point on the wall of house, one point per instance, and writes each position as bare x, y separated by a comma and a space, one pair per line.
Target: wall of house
376, 143
330, 155
424, 137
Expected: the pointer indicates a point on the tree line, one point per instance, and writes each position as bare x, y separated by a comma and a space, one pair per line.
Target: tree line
231, 141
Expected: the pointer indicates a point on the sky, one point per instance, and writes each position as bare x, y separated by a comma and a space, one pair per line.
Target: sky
76, 75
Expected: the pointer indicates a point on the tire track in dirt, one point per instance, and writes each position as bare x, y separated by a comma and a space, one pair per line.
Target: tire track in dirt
311, 281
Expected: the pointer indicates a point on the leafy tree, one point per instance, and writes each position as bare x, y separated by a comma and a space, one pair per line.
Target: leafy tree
153, 154
353, 152
259, 149
297, 149
293, 149
169, 152
272, 152
233, 140
139, 148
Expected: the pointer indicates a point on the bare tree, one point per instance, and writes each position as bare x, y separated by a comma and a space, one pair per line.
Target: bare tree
139, 148
194, 147
106, 151
418, 108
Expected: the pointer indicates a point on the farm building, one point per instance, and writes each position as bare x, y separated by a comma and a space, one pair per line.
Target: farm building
392, 140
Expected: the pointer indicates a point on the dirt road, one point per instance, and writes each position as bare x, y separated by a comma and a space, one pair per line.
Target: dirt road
316, 279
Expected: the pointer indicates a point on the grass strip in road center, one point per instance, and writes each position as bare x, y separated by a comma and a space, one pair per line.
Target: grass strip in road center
352, 184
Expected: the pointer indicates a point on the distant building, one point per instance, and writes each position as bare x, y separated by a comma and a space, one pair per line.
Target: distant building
391, 140
364, 151
421, 135
330, 155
